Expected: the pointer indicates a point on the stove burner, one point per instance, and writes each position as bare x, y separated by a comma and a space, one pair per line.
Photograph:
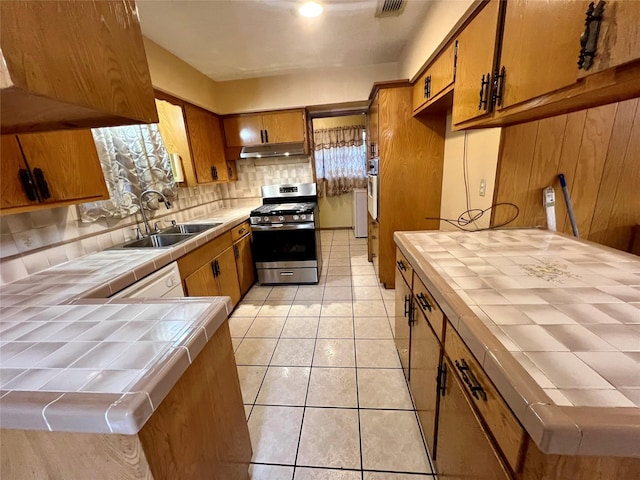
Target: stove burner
284, 209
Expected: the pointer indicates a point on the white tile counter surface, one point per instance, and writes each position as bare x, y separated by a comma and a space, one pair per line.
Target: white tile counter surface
554, 321
73, 360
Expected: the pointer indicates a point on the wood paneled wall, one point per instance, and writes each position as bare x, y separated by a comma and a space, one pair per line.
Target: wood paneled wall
597, 150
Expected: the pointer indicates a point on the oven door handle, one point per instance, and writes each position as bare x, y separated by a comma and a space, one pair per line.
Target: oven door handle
283, 226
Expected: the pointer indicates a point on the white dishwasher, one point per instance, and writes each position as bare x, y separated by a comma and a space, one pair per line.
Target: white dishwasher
161, 284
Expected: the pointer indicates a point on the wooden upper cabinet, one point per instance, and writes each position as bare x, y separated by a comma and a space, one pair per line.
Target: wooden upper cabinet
476, 59
243, 131
284, 127
273, 127
59, 168
619, 36
533, 67
438, 76
69, 64
14, 191
174, 135
207, 147
372, 127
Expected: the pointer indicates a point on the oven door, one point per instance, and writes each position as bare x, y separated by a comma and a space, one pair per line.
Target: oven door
284, 245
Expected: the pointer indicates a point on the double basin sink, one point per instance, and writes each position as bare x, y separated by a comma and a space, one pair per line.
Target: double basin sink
168, 237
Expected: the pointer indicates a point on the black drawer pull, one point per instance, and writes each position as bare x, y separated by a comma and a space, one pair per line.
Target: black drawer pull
27, 185
441, 380
424, 303
42, 184
470, 379
401, 265
407, 299
241, 231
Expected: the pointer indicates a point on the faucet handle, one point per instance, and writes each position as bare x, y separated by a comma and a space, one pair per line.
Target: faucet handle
174, 223
138, 233
156, 226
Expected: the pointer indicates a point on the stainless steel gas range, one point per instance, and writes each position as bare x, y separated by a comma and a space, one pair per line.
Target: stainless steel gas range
286, 238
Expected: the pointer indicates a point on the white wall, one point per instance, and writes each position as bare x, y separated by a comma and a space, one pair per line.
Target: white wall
482, 159
442, 17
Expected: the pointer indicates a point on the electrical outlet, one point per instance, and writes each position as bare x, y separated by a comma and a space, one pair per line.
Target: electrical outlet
483, 187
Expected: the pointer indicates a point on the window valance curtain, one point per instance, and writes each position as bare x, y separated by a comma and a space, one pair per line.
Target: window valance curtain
340, 156
133, 159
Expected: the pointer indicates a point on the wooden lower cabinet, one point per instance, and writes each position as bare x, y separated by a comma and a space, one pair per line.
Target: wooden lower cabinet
425, 357
464, 449
402, 334
210, 270
244, 264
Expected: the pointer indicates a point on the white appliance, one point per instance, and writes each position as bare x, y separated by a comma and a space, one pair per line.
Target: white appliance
372, 196
373, 188
360, 206
163, 283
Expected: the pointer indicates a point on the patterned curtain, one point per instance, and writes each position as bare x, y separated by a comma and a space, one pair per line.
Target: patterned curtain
133, 159
340, 155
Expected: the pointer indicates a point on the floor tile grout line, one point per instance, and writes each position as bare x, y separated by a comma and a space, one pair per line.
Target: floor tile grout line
306, 396
374, 470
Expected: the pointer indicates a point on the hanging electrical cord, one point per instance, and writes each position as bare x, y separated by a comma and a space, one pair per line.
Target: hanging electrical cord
471, 215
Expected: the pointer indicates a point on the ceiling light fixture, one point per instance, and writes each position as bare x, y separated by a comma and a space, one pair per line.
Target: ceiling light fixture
310, 9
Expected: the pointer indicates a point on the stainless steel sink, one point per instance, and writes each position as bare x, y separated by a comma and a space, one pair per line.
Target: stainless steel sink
190, 228
158, 240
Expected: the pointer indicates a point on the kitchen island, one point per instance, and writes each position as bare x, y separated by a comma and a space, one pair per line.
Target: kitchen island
538, 374
114, 388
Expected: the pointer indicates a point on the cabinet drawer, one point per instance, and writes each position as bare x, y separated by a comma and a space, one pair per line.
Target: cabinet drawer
503, 425
204, 254
240, 231
429, 307
404, 267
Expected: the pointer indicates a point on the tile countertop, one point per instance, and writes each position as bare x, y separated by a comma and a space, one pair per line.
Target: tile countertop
74, 360
555, 322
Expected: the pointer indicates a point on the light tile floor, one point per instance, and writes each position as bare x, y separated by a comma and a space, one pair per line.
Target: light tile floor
321, 380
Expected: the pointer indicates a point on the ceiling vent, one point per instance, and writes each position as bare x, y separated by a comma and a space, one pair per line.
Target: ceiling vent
390, 8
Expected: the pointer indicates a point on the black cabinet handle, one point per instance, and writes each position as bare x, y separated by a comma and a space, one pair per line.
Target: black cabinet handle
589, 38
498, 87
407, 299
428, 86
27, 184
441, 380
213, 269
241, 231
470, 379
41, 183
423, 301
401, 265
266, 136
261, 136
412, 313
484, 97
214, 173
236, 251
230, 170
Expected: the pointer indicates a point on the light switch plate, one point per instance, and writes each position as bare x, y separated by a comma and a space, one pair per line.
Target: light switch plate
483, 187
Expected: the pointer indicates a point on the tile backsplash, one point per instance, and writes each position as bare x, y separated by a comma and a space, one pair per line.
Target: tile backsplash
33, 241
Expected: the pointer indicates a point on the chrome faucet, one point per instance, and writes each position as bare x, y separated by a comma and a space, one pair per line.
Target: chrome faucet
164, 200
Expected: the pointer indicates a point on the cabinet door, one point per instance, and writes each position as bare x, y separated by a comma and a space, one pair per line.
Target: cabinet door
227, 276
464, 449
372, 127
243, 131
202, 283
436, 78
244, 264
207, 147
402, 334
534, 67
11, 162
619, 37
425, 359
174, 135
476, 55
283, 127
69, 163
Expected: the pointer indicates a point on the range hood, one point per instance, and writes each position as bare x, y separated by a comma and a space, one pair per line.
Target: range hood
273, 150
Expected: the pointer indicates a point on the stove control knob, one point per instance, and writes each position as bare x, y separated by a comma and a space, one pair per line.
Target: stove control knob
266, 219
303, 217
296, 217
281, 218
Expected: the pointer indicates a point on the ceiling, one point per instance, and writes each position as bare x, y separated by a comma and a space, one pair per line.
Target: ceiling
236, 39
